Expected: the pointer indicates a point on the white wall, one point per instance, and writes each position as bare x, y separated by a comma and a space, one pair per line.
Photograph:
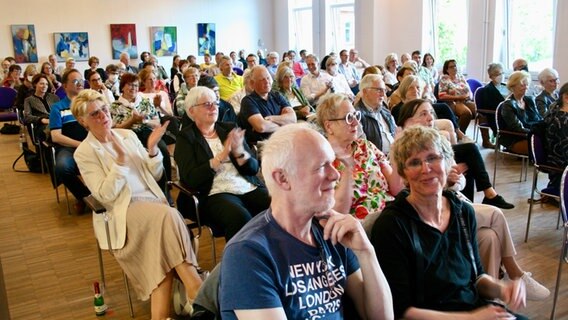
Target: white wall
239, 23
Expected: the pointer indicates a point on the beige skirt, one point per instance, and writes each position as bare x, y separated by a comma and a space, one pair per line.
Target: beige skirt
157, 240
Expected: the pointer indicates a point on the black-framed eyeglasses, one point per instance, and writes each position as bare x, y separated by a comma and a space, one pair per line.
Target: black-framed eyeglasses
416, 164
97, 113
349, 118
208, 105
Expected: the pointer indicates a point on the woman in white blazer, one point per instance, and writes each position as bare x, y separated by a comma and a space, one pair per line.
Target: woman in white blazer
149, 238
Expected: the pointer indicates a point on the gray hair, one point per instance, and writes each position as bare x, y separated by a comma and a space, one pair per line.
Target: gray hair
279, 150
547, 73
195, 94
493, 68
368, 80
273, 54
390, 57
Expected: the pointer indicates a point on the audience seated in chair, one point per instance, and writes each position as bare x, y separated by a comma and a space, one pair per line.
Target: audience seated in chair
454, 90
548, 79
38, 106
469, 161
518, 113
148, 237
96, 83
135, 112
263, 111
489, 97
191, 77
214, 160
426, 241
557, 134
316, 83
300, 231
285, 84
229, 82
367, 181
66, 133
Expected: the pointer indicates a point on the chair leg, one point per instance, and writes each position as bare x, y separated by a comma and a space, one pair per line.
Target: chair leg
101, 268
531, 200
214, 248
496, 159
67, 200
559, 273
128, 295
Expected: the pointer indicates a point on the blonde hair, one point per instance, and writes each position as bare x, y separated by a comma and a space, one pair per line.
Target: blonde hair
80, 102
327, 109
517, 77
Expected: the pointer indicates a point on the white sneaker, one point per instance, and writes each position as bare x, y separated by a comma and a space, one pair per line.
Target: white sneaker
535, 290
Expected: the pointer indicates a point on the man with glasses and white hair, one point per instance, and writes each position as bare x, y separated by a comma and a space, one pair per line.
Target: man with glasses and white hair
302, 257
548, 79
67, 134
377, 121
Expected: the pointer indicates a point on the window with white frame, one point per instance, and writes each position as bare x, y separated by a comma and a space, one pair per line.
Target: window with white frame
341, 22
529, 32
301, 25
450, 20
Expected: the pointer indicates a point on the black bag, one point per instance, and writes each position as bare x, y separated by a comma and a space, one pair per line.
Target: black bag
10, 129
32, 159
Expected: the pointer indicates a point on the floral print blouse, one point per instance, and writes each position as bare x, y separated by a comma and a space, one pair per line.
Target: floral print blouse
370, 186
456, 87
121, 110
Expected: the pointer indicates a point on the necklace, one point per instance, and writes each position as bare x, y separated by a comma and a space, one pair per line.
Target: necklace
210, 135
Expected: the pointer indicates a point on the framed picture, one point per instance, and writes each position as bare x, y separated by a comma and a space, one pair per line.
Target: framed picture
123, 39
163, 41
206, 38
25, 46
71, 45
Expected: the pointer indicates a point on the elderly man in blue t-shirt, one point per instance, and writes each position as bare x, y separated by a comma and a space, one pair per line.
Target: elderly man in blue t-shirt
263, 111
299, 258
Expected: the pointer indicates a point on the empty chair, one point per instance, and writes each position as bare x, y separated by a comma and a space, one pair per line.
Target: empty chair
7, 98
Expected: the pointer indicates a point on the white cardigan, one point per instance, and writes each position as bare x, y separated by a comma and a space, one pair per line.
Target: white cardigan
107, 181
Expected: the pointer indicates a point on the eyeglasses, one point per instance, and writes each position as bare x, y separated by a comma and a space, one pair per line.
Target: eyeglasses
96, 79
134, 85
208, 105
452, 66
349, 118
416, 164
97, 113
77, 82
381, 90
555, 80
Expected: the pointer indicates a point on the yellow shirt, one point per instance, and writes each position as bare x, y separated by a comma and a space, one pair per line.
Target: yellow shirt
229, 85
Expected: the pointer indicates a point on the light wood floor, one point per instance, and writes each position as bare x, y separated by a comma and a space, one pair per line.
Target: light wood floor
50, 262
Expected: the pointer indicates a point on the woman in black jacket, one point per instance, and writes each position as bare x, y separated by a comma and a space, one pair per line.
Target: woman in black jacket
213, 158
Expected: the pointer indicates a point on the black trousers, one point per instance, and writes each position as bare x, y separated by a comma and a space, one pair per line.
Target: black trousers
468, 153
230, 212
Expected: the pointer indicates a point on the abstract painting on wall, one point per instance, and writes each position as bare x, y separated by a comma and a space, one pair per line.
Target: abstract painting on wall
71, 45
163, 41
123, 39
206, 38
25, 46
